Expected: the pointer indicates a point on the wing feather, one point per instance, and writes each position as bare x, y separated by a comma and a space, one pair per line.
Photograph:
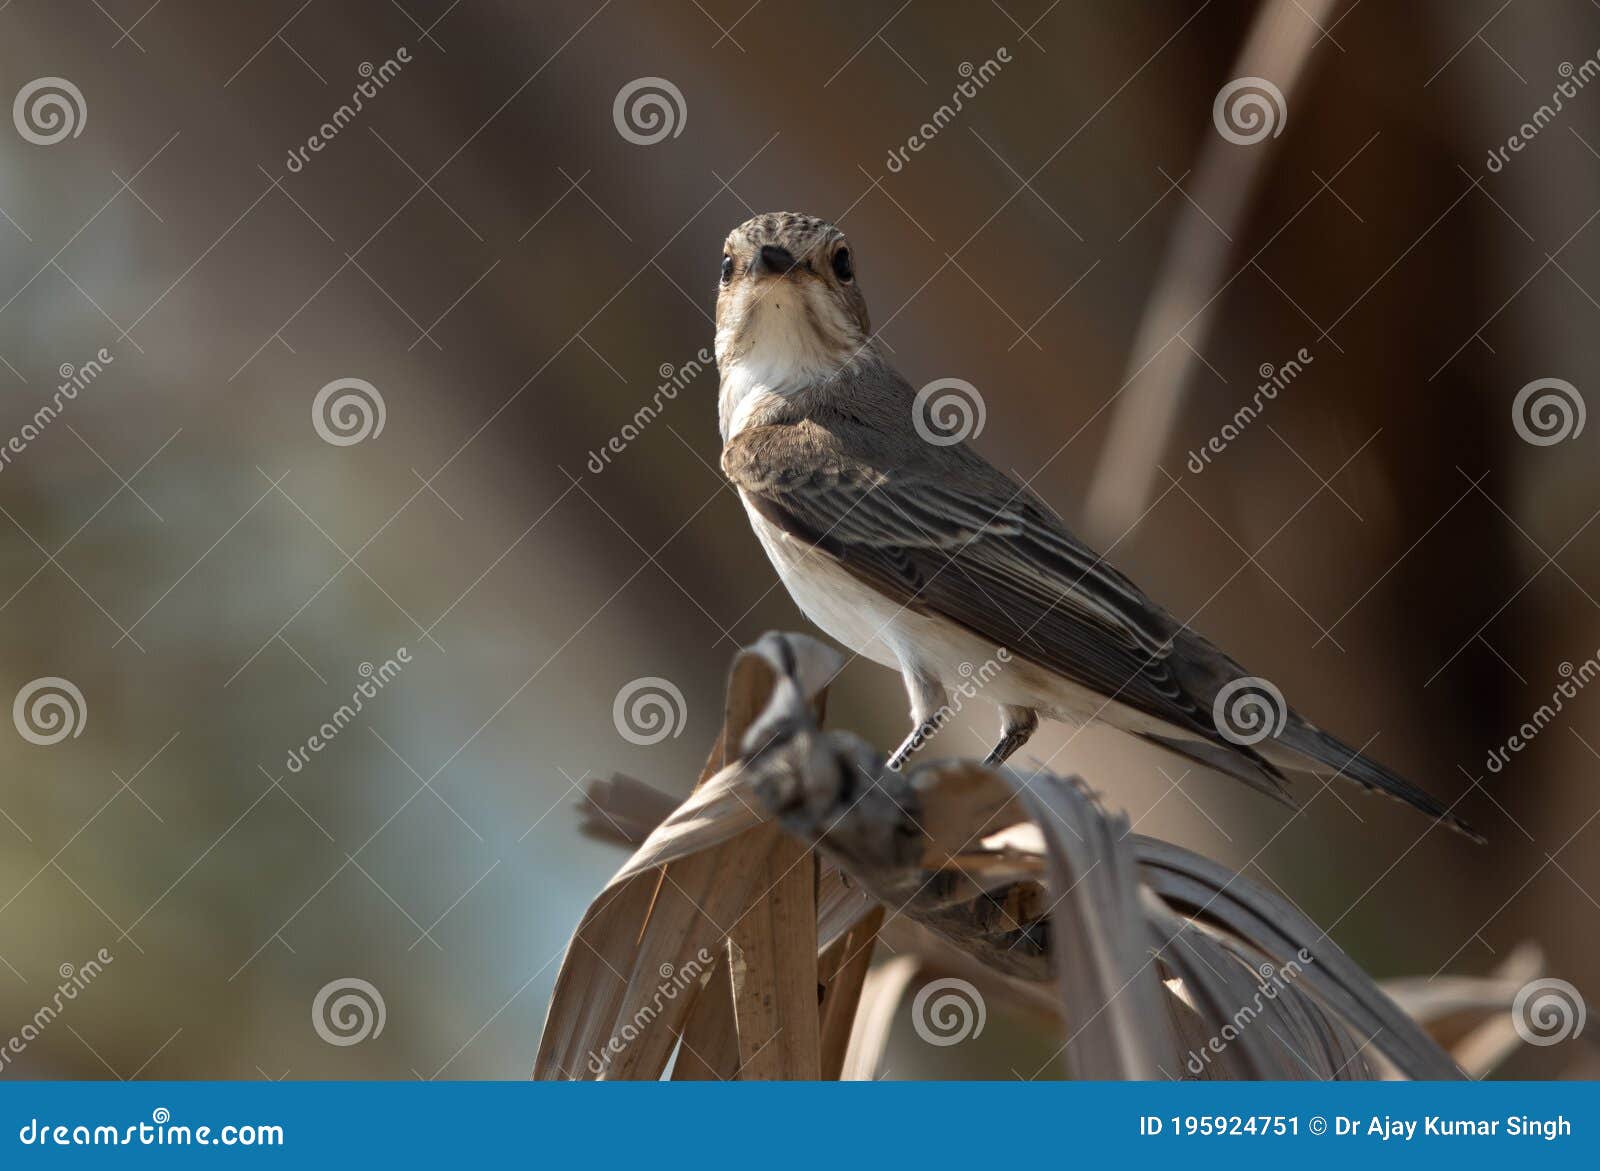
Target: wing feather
1009, 572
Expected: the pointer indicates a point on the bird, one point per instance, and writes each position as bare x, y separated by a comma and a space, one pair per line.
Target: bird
900, 541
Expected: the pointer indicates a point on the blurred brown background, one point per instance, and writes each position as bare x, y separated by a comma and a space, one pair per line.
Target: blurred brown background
484, 247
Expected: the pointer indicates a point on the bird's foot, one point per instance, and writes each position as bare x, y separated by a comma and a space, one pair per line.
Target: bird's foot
1017, 726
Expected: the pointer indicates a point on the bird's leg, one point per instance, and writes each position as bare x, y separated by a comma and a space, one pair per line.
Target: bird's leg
918, 737
928, 711
1017, 726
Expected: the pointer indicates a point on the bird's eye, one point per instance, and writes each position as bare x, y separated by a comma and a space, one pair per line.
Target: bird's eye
841, 265
727, 269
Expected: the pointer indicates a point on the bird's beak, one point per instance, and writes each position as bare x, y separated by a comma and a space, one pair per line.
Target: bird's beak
774, 260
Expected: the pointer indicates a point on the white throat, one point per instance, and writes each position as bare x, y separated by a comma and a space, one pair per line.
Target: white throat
778, 354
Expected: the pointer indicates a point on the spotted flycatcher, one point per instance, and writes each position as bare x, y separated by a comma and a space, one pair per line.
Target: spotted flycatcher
910, 548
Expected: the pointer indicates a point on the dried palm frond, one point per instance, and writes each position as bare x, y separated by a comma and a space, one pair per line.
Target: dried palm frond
739, 934
1472, 1015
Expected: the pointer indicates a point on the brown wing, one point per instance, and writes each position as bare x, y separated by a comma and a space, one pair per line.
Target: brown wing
1006, 569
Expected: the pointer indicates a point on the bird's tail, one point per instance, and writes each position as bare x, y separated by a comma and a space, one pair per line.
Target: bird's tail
1241, 764
1311, 743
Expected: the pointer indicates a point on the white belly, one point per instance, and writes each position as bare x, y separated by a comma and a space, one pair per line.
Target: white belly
881, 630
862, 619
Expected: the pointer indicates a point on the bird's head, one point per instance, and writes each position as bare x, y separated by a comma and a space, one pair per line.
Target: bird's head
788, 304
